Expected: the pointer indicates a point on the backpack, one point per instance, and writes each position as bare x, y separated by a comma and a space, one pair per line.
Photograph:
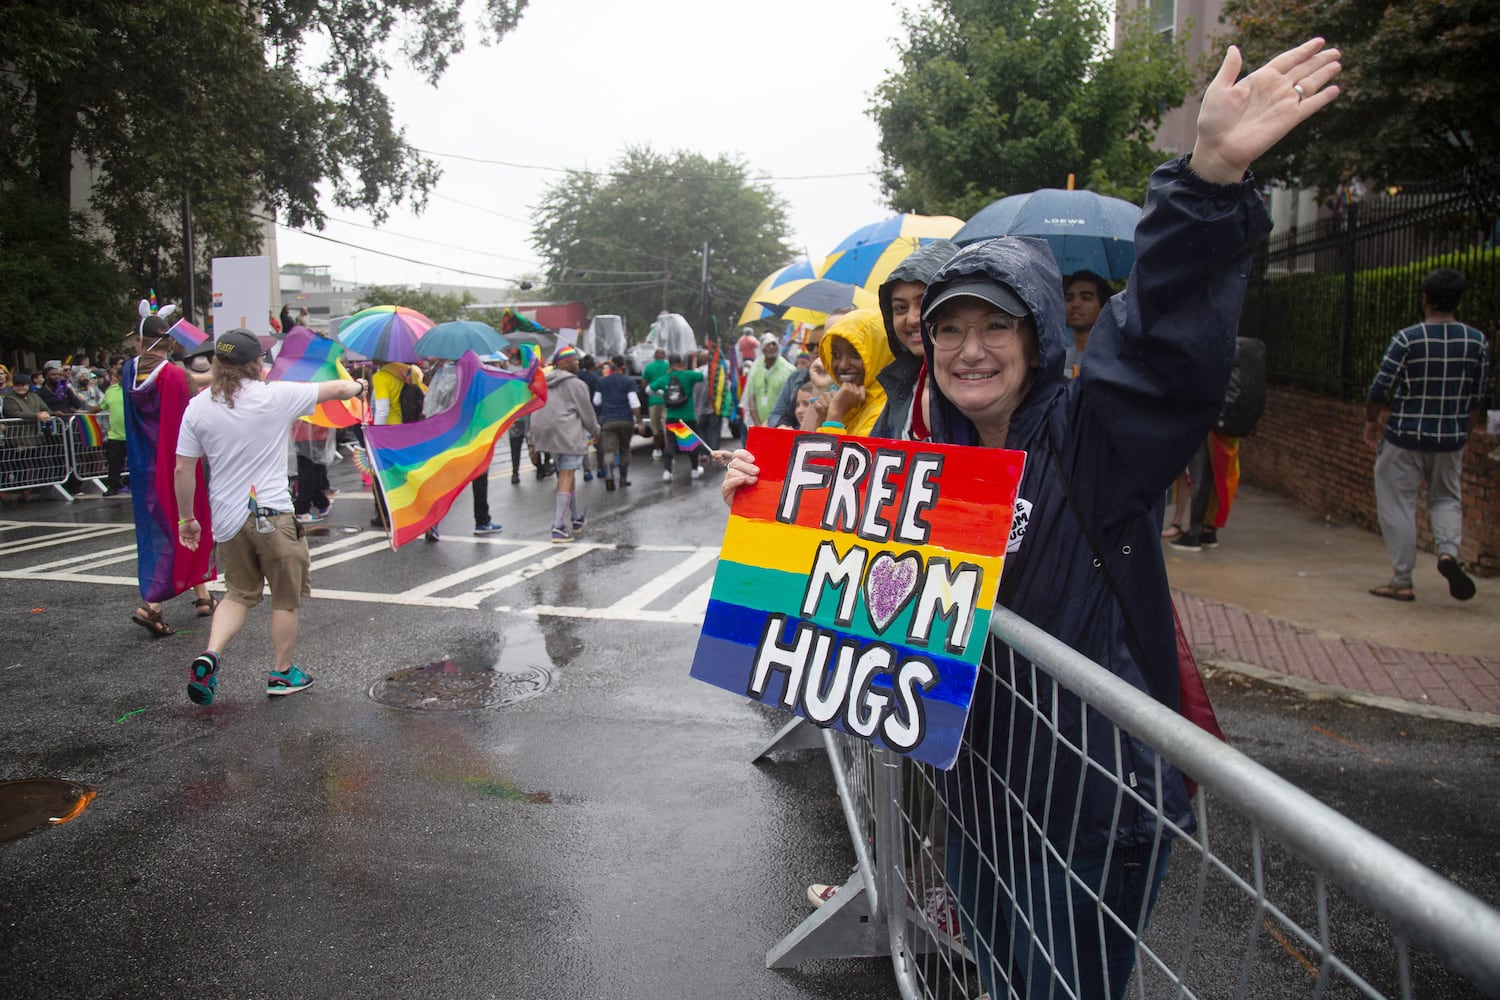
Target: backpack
674, 395
1245, 399
411, 400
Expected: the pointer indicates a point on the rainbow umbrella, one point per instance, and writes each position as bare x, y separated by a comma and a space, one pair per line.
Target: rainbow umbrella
754, 309
869, 254
385, 333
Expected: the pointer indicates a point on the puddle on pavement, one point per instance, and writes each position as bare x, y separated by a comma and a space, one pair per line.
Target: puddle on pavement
39, 803
487, 671
496, 788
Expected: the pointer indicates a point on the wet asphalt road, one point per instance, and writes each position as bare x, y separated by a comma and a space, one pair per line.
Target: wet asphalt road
606, 838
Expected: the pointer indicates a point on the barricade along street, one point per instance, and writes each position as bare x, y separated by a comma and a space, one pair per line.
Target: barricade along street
34, 456
1274, 904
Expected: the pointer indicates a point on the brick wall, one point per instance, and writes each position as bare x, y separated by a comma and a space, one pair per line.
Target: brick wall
1310, 449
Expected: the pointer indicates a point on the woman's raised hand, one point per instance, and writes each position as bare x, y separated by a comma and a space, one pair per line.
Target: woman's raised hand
1241, 119
742, 472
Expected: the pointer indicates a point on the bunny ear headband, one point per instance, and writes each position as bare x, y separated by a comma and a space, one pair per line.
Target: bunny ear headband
147, 307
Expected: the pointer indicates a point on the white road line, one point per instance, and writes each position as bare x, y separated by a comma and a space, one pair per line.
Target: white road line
611, 614
350, 555
93, 558
342, 543
318, 592
482, 569
65, 537
473, 598
695, 605
663, 582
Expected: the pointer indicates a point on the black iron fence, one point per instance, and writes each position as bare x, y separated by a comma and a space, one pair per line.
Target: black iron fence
1326, 299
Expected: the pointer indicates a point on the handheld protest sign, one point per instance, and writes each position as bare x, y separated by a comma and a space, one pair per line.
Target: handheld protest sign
855, 584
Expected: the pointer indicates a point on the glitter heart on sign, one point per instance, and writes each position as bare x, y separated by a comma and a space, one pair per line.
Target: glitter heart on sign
889, 585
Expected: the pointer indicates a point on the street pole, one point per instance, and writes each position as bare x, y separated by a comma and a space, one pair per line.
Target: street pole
188, 256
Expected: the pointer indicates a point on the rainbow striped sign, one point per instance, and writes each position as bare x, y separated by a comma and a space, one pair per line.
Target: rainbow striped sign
855, 584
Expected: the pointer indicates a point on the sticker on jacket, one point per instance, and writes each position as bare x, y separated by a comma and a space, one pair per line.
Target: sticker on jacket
1018, 525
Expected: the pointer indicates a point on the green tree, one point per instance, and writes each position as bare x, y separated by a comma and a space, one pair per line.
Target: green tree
998, 97
216, 103
1420, 99
630, 241
58, 285
440, 307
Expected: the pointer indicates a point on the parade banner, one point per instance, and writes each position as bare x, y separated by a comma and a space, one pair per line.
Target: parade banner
855, 584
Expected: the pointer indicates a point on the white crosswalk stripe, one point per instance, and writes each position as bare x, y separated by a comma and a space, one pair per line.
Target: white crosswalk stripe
674, 592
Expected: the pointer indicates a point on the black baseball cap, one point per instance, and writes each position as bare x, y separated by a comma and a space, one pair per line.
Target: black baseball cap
234, 347
998, 295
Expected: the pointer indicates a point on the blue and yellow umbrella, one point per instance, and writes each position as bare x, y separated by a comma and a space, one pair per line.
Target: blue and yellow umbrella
869, 254
792, 272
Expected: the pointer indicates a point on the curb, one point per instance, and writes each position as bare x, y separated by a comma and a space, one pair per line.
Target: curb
1332, 692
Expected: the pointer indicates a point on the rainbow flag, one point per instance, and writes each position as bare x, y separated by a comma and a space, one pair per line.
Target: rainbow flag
869, 621
307, 357
686, 439
423, 466
186, 334
90, 432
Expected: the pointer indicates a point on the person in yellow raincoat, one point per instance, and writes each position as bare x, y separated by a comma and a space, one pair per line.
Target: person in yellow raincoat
853, 350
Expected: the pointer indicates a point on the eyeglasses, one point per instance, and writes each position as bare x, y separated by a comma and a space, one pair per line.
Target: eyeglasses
995, 330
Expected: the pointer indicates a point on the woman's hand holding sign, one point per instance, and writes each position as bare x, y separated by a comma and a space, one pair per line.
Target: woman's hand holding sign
742, 472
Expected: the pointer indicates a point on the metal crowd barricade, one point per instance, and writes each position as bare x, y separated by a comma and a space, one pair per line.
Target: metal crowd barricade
35, 456
87, 460
1270, 894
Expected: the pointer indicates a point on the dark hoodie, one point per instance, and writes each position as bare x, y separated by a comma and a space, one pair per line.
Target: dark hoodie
1159, 361
900, 376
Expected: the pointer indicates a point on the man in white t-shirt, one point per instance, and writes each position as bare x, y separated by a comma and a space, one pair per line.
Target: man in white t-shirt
240, 427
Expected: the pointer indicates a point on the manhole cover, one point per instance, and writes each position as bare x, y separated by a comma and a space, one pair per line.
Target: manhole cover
36, 803
445, 686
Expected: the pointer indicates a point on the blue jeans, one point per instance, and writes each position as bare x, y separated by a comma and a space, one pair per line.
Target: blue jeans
1014, 937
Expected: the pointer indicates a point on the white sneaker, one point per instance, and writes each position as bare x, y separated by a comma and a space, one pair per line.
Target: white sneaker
697, 472
655, 454
666, 475
819, 893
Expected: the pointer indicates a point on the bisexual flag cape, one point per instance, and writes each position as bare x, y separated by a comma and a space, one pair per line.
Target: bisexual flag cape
153, 416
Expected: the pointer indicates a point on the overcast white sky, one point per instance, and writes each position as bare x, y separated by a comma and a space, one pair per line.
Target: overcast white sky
782, 84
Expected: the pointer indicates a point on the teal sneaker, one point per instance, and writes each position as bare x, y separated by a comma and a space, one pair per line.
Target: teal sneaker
289, 681
203, 678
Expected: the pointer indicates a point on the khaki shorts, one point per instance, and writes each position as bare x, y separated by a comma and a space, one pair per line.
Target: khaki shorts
658, 419
252, 558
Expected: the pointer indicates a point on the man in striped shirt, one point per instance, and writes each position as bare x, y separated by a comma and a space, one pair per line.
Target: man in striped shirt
1434, 376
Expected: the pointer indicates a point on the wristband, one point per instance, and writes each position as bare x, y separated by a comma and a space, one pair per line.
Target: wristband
184, 520
831, 423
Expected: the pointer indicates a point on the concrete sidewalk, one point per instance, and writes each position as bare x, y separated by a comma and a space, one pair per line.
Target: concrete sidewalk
1284, 597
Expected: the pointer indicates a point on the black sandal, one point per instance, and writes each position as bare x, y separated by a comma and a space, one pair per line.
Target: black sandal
210, 601
152, 621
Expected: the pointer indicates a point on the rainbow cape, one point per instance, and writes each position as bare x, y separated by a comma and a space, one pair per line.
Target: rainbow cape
869, 622
90, 433
307, 357
153, 416
686, 439
423, 466
186, 334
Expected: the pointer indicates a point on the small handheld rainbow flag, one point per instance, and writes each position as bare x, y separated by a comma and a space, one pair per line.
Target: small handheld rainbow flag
686, 439
254, 502
186, 334
90, 432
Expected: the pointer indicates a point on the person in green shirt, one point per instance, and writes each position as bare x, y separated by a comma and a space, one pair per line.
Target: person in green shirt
114, 441
687, 378
657, 368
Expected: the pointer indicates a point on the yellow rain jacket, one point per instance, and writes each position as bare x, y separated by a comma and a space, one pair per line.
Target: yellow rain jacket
864, 329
